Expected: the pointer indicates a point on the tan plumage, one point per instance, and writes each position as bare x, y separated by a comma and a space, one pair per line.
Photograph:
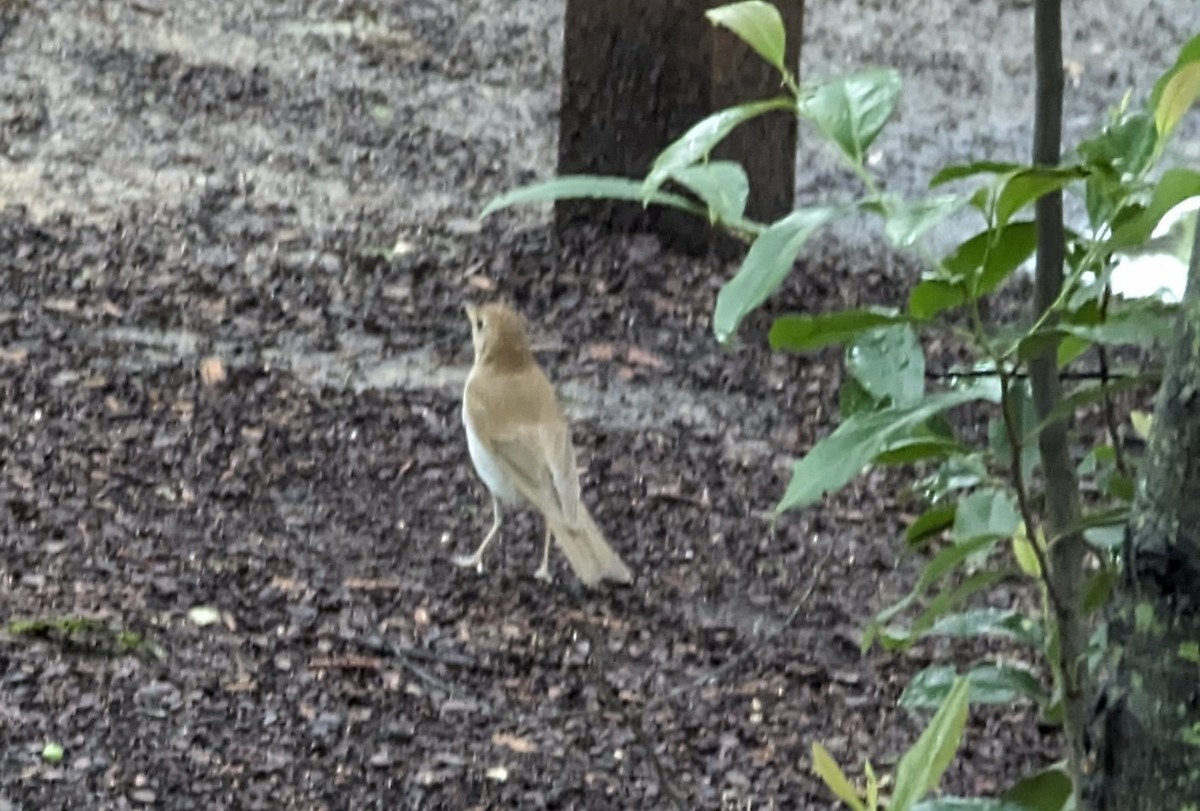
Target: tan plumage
520, 444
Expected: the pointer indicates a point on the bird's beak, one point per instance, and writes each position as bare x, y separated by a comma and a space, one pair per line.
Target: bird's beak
470, 311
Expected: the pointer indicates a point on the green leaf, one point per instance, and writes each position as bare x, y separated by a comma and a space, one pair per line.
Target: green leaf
906, 221
960, 171
930, 523
853, 398
573, 187
993, 622
921, 768
894, 637
757, 24
966, 804
1093, 392
1175, 186
889, 362
833, 777
1146, 323
989, 684
722, 185
1028, 185
1098, 589
973, 261
916, 448
851, 110
766, 265
941, 563
1178, 95
932, 296
700, 139
988, 512
1048, 790
839, 457
1024, 552
804, 333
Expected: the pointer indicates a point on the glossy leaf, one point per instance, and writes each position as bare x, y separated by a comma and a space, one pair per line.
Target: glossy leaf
853, 398
930, 523
1028, 185
1178, 95
989, 684
1098, 589
851, 110
1093, 392
722, 185
804, 333
1141, 325
991, 622
842, 455
943, 562
833, 777
921, 768
756, 23
987, 512
889, 362
1175, 186
573, 187
1026, 556
933, 296
896, 636
907, 450
906, 221
1048, 790
766, 265
961, 171
974, 261
699, 140
966, 804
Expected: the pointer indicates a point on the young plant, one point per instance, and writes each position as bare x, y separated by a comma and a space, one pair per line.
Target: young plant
988, 505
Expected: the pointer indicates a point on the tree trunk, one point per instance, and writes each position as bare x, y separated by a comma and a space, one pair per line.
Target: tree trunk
1149, 750
636, 75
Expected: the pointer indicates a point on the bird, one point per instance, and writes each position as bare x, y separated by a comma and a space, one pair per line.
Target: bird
520, 445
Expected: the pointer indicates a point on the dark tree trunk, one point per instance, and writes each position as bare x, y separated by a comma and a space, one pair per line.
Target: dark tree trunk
636, 75
1149, 750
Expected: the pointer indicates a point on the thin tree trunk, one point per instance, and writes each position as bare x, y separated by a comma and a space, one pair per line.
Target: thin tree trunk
1149, 750
1067, 551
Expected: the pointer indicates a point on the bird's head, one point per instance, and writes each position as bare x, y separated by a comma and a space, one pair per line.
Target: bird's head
499, 336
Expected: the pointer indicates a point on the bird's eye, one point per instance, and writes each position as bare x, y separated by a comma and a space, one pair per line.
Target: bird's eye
478, 323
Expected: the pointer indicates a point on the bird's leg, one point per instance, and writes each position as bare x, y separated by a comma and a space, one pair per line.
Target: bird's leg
475, 561
543, 572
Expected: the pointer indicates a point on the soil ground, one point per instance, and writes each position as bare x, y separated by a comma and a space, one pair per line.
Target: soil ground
290, 188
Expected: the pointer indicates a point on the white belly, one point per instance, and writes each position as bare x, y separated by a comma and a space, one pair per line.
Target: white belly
486, 466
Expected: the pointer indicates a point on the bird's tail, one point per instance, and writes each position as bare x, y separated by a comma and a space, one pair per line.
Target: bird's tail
590, 556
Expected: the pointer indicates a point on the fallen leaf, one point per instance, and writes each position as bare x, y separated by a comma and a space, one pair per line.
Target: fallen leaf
603, 352
522, 746
640, 357
61, 305
15, 355
212, 371
203, 615
497, 773
481, 283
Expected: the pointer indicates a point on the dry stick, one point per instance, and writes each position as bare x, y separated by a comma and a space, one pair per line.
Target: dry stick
1110, 415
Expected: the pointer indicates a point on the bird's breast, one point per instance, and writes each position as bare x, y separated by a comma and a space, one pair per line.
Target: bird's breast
486, 465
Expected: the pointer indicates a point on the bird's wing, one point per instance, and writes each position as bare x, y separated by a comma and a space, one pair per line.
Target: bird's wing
535, 449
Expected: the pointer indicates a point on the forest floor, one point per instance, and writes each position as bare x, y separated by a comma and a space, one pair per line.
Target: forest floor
235, 238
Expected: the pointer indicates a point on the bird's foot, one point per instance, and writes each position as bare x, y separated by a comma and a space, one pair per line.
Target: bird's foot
469, 562
543, 574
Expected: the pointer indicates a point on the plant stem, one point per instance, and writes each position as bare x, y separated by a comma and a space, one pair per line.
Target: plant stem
1066, 556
